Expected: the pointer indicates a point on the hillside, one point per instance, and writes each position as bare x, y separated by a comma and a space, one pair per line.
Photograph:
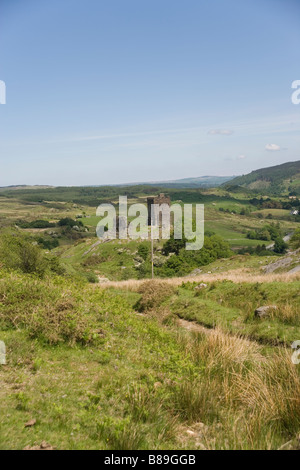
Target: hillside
198, 182
160, 367
278, 179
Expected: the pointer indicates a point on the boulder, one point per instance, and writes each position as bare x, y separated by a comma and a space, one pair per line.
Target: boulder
263, 312
201, 286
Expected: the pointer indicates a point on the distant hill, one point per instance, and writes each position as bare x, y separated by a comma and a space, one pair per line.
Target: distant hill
23, 186
279, 179
198, 182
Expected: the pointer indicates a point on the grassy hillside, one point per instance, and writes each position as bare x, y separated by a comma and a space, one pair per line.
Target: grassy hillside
279, 179
89, 368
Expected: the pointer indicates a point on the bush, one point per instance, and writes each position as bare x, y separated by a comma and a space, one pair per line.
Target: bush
280, 246
36, 224
214, 247
68, 222
173, 246
92, 278
19, 253
48, 244
153, 294
94, 260
143, 250
295, 240
45, 310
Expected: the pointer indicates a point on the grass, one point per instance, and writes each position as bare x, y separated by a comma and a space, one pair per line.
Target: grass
142, 382
231, 306
86, 395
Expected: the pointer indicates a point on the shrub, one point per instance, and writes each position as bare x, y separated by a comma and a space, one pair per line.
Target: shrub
94, 260
143, 250
214, 247
92, 278
68, 222
20, 253
37, 224
280, 246
295, 240
48, 244
153, 294
46, 311
173, 246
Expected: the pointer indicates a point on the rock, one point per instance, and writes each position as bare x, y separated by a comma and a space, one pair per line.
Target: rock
2, 353
44, 446
263, 312
191, 433
201, 286
195, 272
30, 423
200, 446
294, 444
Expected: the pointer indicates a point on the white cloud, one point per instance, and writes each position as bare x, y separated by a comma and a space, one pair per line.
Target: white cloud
241, 157
272, 147
220, 132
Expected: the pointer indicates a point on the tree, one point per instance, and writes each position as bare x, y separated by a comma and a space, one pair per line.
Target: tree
68, 222
173, 246
295, 240
143, 251
280, 246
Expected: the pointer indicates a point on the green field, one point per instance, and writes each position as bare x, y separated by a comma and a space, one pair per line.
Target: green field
138, 364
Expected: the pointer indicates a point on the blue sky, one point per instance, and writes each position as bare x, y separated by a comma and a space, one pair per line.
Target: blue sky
102, 92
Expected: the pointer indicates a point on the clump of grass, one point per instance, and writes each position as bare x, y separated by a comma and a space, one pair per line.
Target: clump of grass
153, 294
120, 434
272, 394
286, 314
149, 408
249, 400
194, 400
227, 350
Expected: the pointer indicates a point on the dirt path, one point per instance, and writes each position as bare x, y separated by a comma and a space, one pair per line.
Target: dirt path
295, 270
193, 326
237, 276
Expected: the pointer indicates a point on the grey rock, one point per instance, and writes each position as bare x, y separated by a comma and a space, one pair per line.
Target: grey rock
263, 312
201, 286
